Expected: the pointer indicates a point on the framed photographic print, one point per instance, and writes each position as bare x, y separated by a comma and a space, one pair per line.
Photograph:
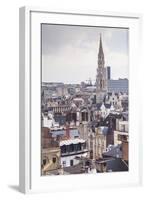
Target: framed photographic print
79, 116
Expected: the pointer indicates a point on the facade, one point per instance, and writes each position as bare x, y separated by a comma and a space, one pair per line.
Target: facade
97, 143
116, 86
100, 142
121, 136
59, 108
50, 160
121, 132
62, 91
83, 129
72, 149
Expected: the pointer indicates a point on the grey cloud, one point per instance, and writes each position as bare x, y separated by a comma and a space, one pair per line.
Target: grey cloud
55, 37
74, 48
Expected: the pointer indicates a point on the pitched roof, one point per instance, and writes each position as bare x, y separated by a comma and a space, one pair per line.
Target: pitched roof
107, 105
114, 151
71, 141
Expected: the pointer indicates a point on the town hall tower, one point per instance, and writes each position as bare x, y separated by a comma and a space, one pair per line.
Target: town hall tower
101, 78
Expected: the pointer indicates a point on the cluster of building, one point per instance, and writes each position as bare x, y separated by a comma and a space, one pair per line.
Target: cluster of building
85, 126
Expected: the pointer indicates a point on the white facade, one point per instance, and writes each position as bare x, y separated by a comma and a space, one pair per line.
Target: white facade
49, 122
68, 158
71, 160
122, 129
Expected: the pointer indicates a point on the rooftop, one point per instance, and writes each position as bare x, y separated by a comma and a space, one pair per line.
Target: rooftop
71, 141
114, 152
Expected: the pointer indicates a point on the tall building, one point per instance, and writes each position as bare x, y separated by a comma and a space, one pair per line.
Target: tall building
119, 85
108, 72
101, 78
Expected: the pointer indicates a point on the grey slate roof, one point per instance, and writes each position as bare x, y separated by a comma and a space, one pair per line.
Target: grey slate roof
73, 133
114, 152
116, 165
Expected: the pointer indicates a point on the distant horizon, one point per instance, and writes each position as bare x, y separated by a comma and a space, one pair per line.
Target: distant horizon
80, 82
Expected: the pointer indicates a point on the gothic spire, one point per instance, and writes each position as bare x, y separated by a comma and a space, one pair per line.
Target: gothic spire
100, 46
100, 54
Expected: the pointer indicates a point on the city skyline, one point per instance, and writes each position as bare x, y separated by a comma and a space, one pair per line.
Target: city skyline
67, 51
84, 129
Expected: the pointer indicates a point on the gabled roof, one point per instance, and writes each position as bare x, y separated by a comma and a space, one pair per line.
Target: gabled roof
107, 105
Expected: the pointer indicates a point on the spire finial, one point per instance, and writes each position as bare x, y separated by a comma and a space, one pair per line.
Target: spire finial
100, 53
100, 37
100, 45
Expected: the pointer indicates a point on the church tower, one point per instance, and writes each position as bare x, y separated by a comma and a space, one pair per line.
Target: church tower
101, 78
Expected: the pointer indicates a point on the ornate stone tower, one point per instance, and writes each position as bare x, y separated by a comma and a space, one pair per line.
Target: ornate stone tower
101, 78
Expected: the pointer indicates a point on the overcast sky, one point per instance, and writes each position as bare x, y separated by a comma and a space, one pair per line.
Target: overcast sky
70, 53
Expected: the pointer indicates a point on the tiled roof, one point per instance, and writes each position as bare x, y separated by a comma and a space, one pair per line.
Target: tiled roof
71, 141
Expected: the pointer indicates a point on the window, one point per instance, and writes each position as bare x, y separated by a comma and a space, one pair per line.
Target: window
71, 162
44, 161
67, 148
83, 116
91, 154
54, 159
63, 149
71, 148
75, 147
83, 146
78, 147
64, 163
86, 116
123, 128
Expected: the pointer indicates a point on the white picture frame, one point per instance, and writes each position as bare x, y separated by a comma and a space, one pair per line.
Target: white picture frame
29, 160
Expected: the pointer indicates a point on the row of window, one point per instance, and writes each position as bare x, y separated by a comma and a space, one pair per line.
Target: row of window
71, 163
73, 148
45, 161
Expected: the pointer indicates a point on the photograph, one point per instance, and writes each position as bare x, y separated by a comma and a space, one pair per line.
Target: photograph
84, 99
